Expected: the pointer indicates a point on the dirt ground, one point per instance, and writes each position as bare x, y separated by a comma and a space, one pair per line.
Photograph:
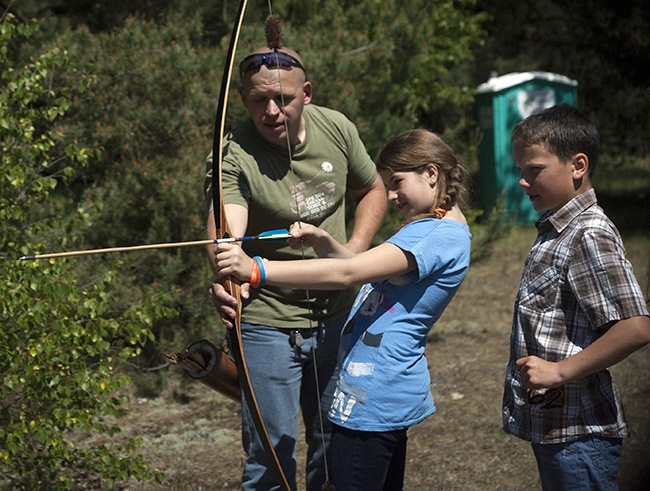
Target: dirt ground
192, 433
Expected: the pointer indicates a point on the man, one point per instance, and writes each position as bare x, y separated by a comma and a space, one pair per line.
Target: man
291, 161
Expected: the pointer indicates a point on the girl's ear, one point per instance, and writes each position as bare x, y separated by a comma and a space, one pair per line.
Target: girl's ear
431, 171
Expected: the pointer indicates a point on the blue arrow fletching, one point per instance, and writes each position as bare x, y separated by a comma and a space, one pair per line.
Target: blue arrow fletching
277, 234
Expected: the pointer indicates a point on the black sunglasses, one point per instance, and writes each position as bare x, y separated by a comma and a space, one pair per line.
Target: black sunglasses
272, 59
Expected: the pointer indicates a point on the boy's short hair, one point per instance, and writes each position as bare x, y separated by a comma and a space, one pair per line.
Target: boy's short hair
563, 130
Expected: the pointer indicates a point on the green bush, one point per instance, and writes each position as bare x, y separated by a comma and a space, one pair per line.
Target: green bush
151, 110
61, 342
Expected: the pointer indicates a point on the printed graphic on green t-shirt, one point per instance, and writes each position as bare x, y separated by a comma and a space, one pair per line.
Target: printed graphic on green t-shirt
257, 175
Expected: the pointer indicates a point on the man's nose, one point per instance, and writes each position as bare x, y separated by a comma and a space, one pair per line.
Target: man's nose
272, 107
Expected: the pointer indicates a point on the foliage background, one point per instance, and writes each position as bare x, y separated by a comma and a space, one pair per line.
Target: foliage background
62, 347
151, 72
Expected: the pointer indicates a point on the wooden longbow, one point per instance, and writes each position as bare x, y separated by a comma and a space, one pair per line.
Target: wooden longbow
223, 231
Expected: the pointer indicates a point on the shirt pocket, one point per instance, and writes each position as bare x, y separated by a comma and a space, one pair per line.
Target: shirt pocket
540, 287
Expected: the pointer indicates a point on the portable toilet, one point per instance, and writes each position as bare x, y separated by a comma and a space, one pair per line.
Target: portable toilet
501, 103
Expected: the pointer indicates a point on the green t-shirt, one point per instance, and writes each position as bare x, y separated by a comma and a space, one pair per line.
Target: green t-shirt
257, 175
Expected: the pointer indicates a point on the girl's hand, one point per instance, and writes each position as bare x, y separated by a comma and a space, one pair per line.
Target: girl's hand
324, 245
305, 235
233, 261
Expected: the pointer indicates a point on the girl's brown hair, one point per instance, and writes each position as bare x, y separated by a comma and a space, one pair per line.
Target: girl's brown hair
412, 151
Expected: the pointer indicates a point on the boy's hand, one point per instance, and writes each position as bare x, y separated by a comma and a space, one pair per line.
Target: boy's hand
539, 374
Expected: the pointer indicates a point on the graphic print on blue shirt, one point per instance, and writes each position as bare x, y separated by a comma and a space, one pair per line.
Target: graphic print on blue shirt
384, 382
346, 396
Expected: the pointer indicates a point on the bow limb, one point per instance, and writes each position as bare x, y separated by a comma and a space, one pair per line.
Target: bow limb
223, 231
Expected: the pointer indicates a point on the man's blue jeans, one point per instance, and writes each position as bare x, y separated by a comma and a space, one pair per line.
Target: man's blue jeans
285, 386
590, 463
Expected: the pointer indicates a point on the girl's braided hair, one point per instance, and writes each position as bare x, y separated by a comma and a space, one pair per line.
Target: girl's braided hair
412, 151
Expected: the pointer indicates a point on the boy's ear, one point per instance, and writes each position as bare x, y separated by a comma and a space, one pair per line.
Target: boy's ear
580, 165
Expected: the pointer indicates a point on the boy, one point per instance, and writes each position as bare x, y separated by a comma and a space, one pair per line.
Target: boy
579, 310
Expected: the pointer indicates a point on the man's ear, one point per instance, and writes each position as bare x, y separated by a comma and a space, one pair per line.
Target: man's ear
580, 165
307, 89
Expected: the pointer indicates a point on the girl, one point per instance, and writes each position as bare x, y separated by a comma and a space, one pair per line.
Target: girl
383, 385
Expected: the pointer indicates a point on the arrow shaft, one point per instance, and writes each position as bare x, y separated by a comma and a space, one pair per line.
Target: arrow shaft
166, 245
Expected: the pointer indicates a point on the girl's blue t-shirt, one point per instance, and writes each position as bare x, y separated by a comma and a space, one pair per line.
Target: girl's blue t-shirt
384, 380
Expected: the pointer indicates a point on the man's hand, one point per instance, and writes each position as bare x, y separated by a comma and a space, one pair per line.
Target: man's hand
225, 303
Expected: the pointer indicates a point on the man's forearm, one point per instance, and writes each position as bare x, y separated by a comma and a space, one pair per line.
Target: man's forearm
368, 217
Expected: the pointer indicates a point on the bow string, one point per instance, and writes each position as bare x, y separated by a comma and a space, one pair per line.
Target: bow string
273, 34
223, 231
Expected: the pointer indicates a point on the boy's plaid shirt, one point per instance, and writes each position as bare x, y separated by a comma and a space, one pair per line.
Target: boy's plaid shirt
576, 282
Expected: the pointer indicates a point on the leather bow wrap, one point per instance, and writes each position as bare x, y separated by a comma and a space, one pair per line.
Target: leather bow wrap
235, 334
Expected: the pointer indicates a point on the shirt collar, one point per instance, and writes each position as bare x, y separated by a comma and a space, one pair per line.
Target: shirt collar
561, 218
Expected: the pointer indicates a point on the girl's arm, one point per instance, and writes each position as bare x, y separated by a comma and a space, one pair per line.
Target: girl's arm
379, 263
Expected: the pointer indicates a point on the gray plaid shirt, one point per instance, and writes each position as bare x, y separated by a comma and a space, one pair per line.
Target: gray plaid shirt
576, 282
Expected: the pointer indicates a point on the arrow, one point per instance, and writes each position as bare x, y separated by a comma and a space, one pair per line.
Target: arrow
270, 235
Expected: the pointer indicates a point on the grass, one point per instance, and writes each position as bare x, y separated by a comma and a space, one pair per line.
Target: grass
192, 434
624, 193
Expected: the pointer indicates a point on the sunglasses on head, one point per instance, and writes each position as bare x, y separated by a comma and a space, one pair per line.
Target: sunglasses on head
272, 59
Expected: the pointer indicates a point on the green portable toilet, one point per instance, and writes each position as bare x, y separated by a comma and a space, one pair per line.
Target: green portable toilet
501, 103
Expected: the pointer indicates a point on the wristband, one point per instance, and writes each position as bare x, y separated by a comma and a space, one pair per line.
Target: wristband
256, 277
262, 270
